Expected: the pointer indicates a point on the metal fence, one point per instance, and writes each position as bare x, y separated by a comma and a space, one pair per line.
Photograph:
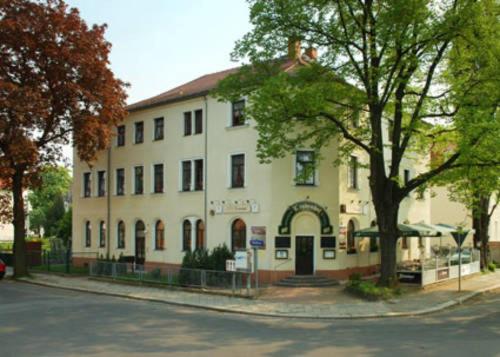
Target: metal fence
235, 283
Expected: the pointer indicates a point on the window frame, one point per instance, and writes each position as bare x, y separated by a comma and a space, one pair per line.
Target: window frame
187, 226
200, 240
234, 238
156, 125
135, 191
188, 123
87, 184
158, 239
198, 121
353, 173
120, 191
162, 181
88, 234
101, 183
231, 172
102, 234
120, 240
351, 248
198, 177
313, 173
121, 136
241, 116
139, 139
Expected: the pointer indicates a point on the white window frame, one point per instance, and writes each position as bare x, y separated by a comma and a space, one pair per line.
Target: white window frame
83, 184
230, 167
132, 180
294, 170
135, 131
349, 175
124, 181
154, 128
181, 178
229, 124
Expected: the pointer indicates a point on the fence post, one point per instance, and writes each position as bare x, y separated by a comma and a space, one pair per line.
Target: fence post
47, 254
233, 282
113, 270
68, 251
203, 281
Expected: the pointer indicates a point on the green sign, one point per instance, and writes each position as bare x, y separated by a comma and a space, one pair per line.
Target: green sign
305, 206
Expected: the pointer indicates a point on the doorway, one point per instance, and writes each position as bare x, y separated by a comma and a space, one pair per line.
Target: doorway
140, 243
304, 255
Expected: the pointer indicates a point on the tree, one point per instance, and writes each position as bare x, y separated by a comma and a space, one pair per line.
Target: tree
385, 60
47, 199
64, 227
55, 86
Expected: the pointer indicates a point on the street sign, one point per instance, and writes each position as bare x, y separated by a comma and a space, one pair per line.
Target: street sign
258, 237
243, 260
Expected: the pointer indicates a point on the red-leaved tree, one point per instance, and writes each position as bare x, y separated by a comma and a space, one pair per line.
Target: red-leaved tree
55, 87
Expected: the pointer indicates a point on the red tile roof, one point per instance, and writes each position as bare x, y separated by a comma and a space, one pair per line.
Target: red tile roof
195, 88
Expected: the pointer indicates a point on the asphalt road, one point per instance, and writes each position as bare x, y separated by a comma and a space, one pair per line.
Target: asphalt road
39, 321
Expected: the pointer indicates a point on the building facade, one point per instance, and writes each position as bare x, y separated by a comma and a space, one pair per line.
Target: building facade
183, 173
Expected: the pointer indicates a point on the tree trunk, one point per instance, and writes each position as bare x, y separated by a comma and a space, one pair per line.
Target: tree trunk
387, 218
481, 223
20, 268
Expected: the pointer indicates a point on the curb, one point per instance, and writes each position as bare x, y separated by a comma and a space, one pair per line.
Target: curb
430, 310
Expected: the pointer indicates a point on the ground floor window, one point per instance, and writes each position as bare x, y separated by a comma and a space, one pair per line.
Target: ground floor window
121, 235
351, 241
200, 234
186, 235
88, 234
102, 234
159, 235
238, 235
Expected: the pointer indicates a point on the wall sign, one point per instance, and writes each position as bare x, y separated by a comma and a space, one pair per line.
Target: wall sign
281, 254
258, 237
329, 254
282, 242
327, 242
235, 206
305, 206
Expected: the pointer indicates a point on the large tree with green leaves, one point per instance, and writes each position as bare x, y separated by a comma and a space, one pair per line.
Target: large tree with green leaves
47, 200
388, 60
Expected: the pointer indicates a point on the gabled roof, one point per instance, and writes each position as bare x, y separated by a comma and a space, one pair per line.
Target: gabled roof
195, 88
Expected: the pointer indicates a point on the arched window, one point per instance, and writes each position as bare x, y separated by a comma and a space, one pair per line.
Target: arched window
238, 235
200, 234
186, 235
88, 234
373, 240
159, 235
102, 234
121, 235
351, 242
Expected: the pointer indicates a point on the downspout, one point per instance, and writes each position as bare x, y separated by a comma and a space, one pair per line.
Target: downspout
108, 206
205, 168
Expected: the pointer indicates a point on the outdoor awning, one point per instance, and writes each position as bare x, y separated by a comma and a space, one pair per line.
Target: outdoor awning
415, 230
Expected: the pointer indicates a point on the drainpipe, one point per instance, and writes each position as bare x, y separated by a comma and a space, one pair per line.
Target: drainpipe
108, 206
205, 168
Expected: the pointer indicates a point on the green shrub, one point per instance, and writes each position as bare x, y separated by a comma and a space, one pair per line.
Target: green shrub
367, 289
492, 267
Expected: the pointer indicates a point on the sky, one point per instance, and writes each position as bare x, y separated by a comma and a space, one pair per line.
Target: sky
160, 44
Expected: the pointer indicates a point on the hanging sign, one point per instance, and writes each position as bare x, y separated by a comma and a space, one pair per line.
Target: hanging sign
258, 237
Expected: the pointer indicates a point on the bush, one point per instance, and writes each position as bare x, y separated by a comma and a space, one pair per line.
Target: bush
367, 289
492, 267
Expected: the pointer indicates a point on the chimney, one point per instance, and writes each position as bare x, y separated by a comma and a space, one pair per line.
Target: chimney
312, 53
293, 48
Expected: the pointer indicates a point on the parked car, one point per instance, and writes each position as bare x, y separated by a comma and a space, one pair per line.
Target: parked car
466, 257
3, 268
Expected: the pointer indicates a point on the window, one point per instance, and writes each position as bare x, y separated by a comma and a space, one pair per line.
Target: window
121, 235
159, 129
186, 176
390, 130
86, 185
406, 176
353, 172
120, 182
120, 138
198, 121
88, 234
187, 123
304, 168
102, 234
237, 170
138, 180
238, 235
404, 243
159, 235
139, 132
186, 235
351, 242
158, 178
200, 234
237, 118
198, 175
101, 183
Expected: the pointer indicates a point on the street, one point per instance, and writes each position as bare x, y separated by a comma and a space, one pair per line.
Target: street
40, 321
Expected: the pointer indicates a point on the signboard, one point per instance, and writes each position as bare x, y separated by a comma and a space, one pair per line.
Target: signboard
243, 260
443, 274
230, 265
235, 206
258, 237
410, 277
459, 237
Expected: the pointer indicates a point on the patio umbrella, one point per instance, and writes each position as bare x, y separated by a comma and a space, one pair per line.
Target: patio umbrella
407, 230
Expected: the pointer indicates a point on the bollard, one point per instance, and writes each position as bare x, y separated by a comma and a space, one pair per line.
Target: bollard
233, 282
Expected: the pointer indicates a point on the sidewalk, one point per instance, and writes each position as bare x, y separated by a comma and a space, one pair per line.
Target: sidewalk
424, 302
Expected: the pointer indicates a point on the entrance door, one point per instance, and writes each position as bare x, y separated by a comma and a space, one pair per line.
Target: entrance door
304, 255
140, 243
